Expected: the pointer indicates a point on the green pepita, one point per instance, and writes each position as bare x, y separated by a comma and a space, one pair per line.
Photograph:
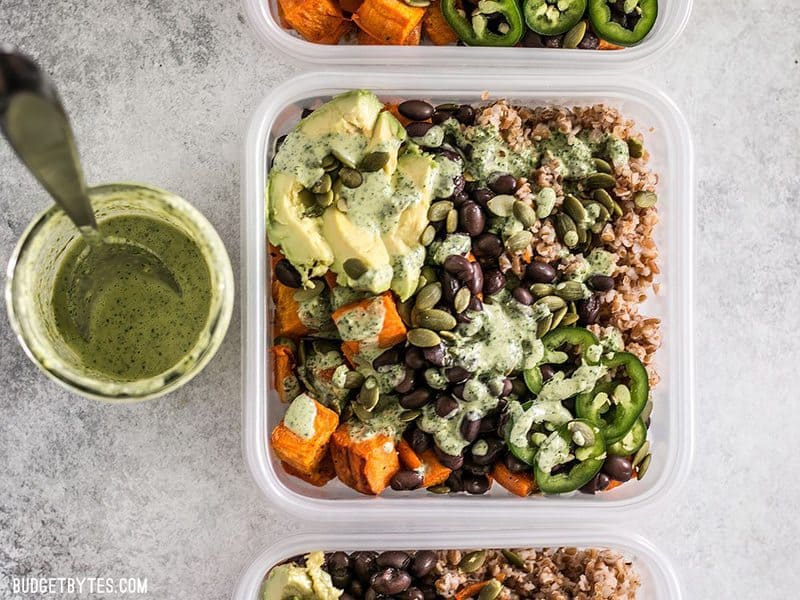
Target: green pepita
573, 207
345, 160
439, 489
583, 234
341, 205
553, 303
438, 210
582, 434
621, 395
351, 178
374, 161
524, 213
323, 185
355, 267
502, 205
429, 296
574, 36
409, 415
324, 200
569, 319
369, 395
641, 453
604, 198
514, 559
647, 411
519, 241
543, 326
330, 163
448, 107
428, 235
570, 290
599, 180
540, 290
602, 166
404, 309
436, 320
635, 148
353, 380
645, 199
564, 225
472, 561
362, 413
306, 294
448, 335
462, 299
643, 467
558, 316
491, 590
423, 338
418, 3
451, 223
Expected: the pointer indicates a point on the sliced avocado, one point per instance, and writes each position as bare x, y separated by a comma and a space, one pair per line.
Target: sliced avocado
388, 136
287, 581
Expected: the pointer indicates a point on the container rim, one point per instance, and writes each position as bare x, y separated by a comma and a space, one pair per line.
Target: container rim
672, 22
666, 584
254, 338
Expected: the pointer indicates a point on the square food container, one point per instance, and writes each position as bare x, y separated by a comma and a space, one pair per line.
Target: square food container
672, 18
667, 139
659, 581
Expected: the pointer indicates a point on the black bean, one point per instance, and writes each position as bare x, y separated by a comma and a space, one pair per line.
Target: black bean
413, 593
476, 285
430, 593
495, 447
476, 484
458, 184
600, 282
569, 404
522, 295
393, 558
440, 117
390, 581
470, 428
532, 40
518, 387
338, 564
465, 114
503, 183
459, 266
340, 581
345, 595
539, 272
287, 274
435, 356
450, 286
547, 371
489, 423
371, 594
502, 403
514, 464
472, 218
493, 281
618, 467
554, 41
454, 481
460, 199
419, 440
407, 384
414, 358
363, 564
596, 484
416, 110
448, 460
457, 374
356, 589
589, 310
590, 41
463, 318
387, 357
418, 129
416, 399
487, 245
458, 391
306, 112
508, 387
482, 196
445, 405
475, 304
423, 563
473, 467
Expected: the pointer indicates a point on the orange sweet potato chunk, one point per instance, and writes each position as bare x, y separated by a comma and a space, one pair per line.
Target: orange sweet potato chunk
318, 21
287, 320
283, 365
393, 330
437, 28
388, 21
306, 455
365, 465
322, 475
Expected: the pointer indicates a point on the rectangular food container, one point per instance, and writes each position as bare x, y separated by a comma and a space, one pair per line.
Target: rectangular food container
659, 581
667, 139
672, 18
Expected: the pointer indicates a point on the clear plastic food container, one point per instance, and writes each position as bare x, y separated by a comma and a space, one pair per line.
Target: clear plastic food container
672, 18
659, 581
667, 139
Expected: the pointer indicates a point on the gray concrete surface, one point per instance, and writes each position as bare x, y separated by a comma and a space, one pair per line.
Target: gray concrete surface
161, 91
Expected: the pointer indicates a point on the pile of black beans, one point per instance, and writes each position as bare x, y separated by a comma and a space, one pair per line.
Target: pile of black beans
392, 574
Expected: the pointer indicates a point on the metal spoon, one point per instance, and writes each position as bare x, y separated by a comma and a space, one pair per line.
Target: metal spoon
37, 127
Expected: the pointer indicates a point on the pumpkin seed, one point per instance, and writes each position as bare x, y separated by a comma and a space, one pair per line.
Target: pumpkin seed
341, 204
448, 107
350, 177
472, 561
540, 290
430, 273
369, 395
543, 326
570, 290
324, 200
645, 199
599, 180
602, 166
519, 241
602, 212
583, 234
362, 413
404, 310
574, 208
421, 283
439, 489
429, 296
545, 201
647, 411
558, 316
428, 235
641, 453
374, 161
502, 205
515, 559
323, 185
345, 160
524, 213
423, 338
330, 163
582, 434
355, 267
604, 198
574, 36
448, 335
436, 320
451, 224
635, 148
621, 395
353, 380
438, 210
643, 467
418, 3
569, 319
306, 294
409, 415
491, 590
553, 303
461, 301
566, 230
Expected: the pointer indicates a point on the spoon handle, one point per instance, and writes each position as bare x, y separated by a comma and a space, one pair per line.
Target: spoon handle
35, 124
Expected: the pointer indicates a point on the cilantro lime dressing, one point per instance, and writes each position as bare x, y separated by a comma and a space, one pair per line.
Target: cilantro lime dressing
448, 170
554, 451
362, 324
559, 387
540, 411
315, 313
574, 154
454, 243
300, 416
385, 420
139, 326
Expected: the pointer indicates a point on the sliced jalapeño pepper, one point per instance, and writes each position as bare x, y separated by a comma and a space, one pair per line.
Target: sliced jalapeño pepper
482, 26
553, 17
584, 339
522, 417
612, 406
631, 442
577, 443
623, 22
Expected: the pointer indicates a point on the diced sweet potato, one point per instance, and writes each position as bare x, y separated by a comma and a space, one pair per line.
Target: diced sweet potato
392, 332
408, 458
350, 6
306, 455
604, 45
287, 320
435, 472
318, 21
283, 366
436, 26
324, 473
388, 21
413, 39
365, 465
521, 484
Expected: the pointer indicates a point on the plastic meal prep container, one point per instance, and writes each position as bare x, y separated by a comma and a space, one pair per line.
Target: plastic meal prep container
659, 581
667, 139
672, 18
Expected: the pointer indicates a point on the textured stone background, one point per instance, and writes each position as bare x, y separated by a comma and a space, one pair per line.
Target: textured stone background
160, 91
